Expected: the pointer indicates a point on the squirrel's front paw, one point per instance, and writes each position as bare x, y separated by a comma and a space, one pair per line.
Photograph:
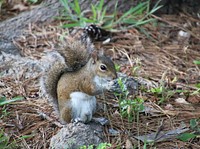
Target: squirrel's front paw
111, 85
85, 118
76, 120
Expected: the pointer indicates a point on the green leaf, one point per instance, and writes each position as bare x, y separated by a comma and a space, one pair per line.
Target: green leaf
103, 145
77, 8
70, 25
156, 7
4, 102
2, 99
94, 12
65, 5
129, 21
103, 14
26, 136
4, 140
117, 67
198, 85
193, 123
144, 22
196, 62
86, 20
100, 5
186, 136
132, 11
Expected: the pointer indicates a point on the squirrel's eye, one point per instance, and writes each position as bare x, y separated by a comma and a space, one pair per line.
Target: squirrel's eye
103, 67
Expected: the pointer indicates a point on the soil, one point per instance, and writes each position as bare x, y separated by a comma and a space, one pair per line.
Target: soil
163, 52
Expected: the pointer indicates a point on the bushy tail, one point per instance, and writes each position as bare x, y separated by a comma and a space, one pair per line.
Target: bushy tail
53, 71
50, 82
75, 51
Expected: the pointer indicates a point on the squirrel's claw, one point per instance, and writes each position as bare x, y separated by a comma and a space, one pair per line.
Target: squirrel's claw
76, 120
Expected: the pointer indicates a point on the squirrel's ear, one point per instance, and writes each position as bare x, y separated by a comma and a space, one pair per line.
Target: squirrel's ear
94, 56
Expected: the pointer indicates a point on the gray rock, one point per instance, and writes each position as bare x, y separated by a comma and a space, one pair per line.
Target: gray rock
75, 135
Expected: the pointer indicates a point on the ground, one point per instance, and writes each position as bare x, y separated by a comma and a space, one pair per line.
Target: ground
164, 55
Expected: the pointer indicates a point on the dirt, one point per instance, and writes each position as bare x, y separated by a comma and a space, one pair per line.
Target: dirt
162, 55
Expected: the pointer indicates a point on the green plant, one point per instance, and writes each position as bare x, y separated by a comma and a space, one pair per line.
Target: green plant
197, 91
124, 92
5, 142
103, 145
1, 3
138, 15
117, 67
4, 113
129, 108
4, 101
163, 94
137, 67
194, 127
186, 136
72, 13
100, 146
196, 62
87, 147
97, 14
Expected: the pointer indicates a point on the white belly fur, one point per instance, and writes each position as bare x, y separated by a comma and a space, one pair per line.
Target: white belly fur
83, 106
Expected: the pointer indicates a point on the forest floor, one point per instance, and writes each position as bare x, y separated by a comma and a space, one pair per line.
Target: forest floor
164, 56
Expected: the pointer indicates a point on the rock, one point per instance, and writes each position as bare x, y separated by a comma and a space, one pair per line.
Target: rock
75, 135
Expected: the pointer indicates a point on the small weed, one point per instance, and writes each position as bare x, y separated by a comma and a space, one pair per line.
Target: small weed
1, 3
117, 67
5, 141
196, 62
4, 101
163, 94
87, 147
186, 136
196, 91
4, 113
137, 67
157, 91
129, 108
97, 14
124, 92
103, 145
100, 146
194, 127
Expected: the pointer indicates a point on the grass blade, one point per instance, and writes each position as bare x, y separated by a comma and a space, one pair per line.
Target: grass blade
70, 25
77, 8
3, 101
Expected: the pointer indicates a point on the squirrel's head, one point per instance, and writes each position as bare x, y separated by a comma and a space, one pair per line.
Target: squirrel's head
104, 66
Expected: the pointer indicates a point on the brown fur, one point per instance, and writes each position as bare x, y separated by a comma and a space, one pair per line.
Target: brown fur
76, 75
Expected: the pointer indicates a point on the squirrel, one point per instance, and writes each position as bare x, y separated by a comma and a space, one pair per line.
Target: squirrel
73, 85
